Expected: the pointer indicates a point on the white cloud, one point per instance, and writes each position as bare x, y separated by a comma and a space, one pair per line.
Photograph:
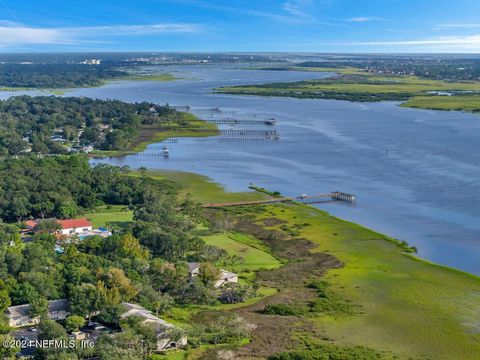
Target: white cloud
445, 40
456, 26
298, 8
293, 11
117, 30
469, 43
12, 34
19, 35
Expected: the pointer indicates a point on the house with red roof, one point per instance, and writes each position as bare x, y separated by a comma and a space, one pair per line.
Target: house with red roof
74, 226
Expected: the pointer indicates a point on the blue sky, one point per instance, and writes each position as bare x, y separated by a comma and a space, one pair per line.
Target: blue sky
265, 25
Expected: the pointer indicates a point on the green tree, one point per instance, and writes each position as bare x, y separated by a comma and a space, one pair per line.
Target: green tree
48, 226
68, 210
24, 293
125, 346
51, 330
7, 353
208, 274
145, 331
83, 300
38, 307
5, 301
74, 323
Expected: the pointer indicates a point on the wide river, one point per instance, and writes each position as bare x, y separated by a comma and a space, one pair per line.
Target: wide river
416, 173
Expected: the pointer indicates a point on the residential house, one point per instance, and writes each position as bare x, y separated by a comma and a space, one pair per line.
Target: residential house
67, 227
74, 226
18, 315
162, 328
225, 276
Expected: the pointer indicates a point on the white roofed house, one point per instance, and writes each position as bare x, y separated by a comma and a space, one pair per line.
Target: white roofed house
163, 329
226, 277
18, 315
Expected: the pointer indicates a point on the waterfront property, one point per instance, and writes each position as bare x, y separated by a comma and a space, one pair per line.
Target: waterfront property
18, 316
163, 329
225, 277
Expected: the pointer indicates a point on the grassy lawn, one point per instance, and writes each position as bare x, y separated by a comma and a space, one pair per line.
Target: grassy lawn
246, 247
181, 315
408, 306
201, 188
114, 215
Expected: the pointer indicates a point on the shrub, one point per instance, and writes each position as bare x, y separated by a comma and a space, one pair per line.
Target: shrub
285, 310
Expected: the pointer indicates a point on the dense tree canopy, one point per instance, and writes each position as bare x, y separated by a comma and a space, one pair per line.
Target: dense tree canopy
55, 75
62, 186
37, 124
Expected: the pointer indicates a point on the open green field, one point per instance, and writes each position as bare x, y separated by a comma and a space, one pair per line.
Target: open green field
410, 307
114, 215
253, 251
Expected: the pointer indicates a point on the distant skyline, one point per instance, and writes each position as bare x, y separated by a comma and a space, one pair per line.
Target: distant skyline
335, 26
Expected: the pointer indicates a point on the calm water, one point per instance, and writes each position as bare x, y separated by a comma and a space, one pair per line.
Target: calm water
416, 173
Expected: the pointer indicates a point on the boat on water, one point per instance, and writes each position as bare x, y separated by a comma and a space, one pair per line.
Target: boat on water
166, 151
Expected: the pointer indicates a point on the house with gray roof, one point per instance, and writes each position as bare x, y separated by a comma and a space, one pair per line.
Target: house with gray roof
166, 339
226, 277
18, 315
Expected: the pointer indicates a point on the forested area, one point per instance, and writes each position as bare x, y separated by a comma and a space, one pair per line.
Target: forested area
55, 76
145, 263
64, 186
445, 69
29, 123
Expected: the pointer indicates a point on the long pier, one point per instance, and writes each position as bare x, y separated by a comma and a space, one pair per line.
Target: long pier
229, 121
220, 117
225, 136
304, 199
320, 198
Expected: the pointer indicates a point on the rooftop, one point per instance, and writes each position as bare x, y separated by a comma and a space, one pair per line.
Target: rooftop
140, 311
74, 223
53, 305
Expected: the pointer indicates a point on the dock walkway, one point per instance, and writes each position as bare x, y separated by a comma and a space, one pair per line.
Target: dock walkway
304, 199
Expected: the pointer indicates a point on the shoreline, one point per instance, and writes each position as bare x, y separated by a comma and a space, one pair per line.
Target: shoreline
162, 77
405, 304
151, 135
411, 91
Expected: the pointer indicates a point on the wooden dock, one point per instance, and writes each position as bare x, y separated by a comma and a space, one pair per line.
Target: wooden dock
304, 199
233, 122
225, 136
